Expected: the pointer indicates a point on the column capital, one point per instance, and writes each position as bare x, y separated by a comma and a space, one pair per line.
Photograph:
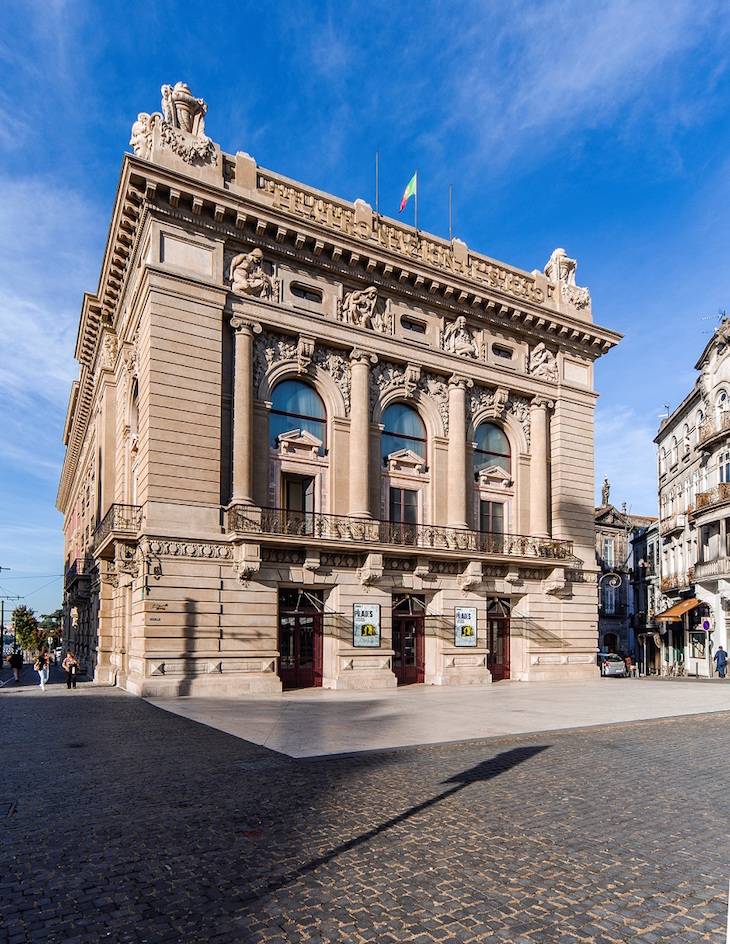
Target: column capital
543, 402
457, 382
358, 356
247, 325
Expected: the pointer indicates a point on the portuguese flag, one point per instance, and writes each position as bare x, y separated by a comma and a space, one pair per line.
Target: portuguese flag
410, 191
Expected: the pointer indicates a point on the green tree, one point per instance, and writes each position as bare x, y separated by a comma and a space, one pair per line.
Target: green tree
25, 626
51, 624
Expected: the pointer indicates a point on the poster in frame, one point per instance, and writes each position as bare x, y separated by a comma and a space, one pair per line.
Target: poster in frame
465, 626
366, 625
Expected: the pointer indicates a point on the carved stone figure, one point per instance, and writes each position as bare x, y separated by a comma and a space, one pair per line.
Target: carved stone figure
561, 270
458, 339
605, 490
542, 363
358, 307
182, 110
180, 127
248, 276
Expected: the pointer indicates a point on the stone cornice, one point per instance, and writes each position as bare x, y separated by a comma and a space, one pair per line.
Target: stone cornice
257, 221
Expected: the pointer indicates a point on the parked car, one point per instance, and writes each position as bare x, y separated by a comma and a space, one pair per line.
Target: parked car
611, 664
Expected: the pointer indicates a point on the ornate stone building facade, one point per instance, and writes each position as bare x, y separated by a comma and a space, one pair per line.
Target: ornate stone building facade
694, 515
311, 446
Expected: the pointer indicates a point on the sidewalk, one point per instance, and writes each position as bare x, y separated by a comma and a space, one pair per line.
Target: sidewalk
316, 722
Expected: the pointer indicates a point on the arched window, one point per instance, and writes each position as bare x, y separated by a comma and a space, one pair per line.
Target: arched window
492, 448
403, 429
674, 453
295, 405
722, 403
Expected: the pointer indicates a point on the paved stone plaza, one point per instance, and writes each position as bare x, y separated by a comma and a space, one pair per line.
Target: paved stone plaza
126, 823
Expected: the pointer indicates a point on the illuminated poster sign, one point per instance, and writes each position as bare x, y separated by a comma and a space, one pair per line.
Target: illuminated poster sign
366, 624
465, 626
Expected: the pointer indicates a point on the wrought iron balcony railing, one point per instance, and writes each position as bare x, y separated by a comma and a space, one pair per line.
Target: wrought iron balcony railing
677, 581
279, 521
123, 519
714, 427
79, 568
715, 496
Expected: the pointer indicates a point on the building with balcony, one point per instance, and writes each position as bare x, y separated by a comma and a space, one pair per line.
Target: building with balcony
311, 446
615, 555
694, 504
647, 596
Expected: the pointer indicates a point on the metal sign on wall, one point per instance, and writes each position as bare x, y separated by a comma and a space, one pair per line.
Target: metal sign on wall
366, 624
465, 626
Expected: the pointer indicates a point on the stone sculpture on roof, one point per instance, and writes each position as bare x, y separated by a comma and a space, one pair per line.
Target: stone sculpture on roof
180, 127
561, 270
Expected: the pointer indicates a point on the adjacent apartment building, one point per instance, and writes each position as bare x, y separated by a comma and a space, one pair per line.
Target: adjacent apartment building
694, 515
311, 446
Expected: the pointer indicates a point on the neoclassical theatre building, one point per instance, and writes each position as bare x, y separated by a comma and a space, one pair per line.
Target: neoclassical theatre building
311, 446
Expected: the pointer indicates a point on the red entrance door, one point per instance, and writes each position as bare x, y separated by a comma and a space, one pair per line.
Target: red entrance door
300, 639
498, 630
408, 635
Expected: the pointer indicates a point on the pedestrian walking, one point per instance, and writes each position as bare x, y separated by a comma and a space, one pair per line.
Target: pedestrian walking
16, 663
42, 666
71, 665
720, 658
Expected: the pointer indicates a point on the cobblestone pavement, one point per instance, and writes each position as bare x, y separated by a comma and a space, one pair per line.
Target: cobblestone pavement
124, 823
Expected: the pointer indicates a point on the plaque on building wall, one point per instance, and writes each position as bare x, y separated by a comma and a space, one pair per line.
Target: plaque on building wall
366, 625
465, 626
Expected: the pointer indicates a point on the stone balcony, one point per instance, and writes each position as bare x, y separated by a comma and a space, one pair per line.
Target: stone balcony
371, 535
672, 523
706, 570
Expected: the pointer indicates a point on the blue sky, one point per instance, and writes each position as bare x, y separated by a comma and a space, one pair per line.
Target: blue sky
601, 127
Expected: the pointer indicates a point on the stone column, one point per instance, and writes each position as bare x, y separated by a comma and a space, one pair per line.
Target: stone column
457, 454
243, 409
539, 468
360, 434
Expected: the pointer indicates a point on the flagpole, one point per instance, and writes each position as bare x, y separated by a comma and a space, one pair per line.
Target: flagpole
416, 195
377, 188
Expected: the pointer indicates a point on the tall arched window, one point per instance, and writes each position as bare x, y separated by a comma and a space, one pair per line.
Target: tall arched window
492, 448
403, 429
295, 405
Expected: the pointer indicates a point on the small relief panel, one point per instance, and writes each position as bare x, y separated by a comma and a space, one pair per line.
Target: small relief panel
186, 255
574, 372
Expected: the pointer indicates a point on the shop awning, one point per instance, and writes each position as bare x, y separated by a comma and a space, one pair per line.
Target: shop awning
674, 613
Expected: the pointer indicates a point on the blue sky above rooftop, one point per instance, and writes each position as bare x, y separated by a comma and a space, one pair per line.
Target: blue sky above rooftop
598, 127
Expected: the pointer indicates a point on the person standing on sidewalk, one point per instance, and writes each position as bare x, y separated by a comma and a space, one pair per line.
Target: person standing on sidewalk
42, 666
71, 665
16, 663
720, 658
